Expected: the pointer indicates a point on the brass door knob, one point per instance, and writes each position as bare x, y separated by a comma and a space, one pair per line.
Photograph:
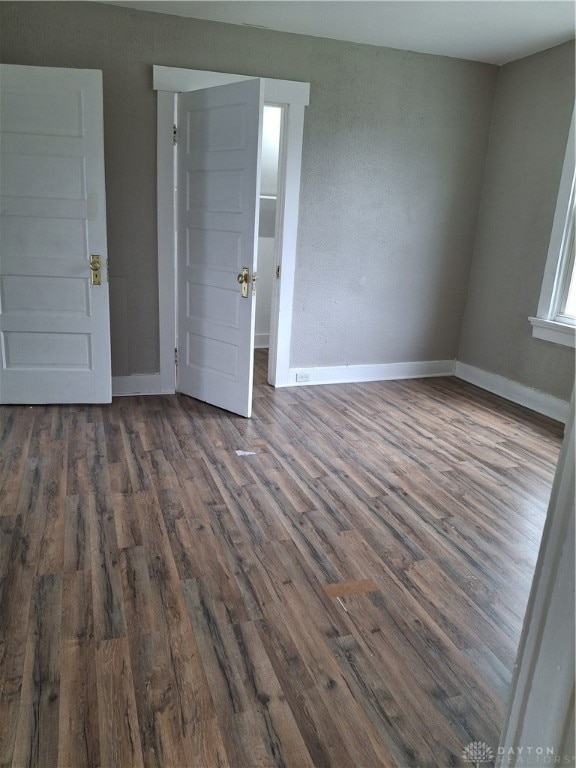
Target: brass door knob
243, 280
95, 270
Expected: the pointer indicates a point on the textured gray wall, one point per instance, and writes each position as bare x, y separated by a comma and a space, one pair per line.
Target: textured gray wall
394, 148
532, 111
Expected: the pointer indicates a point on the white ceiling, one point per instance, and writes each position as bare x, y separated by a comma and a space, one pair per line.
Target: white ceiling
494, 31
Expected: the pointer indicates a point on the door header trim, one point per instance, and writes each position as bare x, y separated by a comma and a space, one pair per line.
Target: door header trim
175, 79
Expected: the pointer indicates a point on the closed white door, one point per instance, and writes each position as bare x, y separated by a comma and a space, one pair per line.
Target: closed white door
54, 318
219, 137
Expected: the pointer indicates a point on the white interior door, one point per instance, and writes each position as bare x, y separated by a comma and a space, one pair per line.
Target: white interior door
54, 322
219, 137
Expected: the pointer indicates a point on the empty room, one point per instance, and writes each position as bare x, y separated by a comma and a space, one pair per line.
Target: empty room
287, 331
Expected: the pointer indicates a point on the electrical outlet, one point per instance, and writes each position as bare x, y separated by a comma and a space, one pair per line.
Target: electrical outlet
302, 376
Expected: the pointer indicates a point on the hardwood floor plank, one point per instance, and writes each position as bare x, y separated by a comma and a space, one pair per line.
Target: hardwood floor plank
329, 685
134, 457
398, 728
15, 596
167, 603
420, 689
41, 432
324, 743
120, 482
179, 532
161, 472
288, 573
137, 592
8, 526
78, 737
126, 519
496, 674
350, 587
408, 644
170, 615
77, 608
419, 641
16, 585
51, 554
240, 467
77, 445
117, 715
10, 694
79, 741
455, 624
203, 490
15, 436
242, 747
36, 741
159, 714
441, 542
109, 619
76, 534
111, 419
239, 560
274, 720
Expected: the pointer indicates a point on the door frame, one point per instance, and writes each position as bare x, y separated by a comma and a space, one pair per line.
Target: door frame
293, 97
540, 710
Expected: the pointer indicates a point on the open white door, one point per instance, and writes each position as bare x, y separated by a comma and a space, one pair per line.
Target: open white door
54, 317
219, 136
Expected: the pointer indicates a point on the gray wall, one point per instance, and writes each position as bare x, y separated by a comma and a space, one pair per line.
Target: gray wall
532, 111
394, 150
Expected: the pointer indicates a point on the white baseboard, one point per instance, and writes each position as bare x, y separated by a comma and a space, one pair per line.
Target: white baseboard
139, 384
261, 340
151, 384
512, 390
348, 374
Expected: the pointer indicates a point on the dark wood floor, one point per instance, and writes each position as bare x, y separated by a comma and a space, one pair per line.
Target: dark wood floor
350, 595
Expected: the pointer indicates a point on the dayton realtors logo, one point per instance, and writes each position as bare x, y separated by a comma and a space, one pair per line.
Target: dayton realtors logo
480, 754
477, 752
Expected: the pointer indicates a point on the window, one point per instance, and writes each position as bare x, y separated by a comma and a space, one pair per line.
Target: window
556, 317
567, 304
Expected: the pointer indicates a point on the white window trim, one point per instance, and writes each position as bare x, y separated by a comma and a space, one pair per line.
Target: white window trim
552, 330
293, 96
547, 324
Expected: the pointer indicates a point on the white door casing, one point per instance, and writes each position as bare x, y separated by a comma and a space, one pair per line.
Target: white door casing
219, 138
54, 324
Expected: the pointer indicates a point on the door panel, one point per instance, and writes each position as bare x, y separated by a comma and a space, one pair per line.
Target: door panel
54, 323
219, 135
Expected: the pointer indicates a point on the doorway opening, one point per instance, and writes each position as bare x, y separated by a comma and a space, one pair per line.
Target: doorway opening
290, 98
267, 231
